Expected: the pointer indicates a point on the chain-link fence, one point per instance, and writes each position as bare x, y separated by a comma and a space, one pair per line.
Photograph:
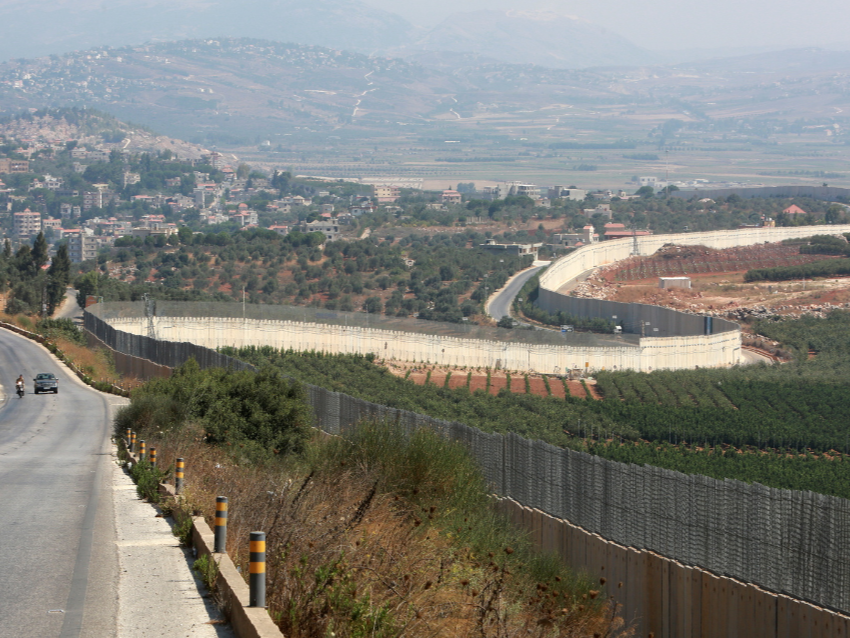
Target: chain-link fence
785, 541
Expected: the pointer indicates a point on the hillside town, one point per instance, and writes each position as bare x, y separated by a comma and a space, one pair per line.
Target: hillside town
89, 194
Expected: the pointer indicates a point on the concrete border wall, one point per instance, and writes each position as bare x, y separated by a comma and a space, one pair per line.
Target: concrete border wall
672, 600
698, 343
791, 542
652, 354
215, 332
569, 267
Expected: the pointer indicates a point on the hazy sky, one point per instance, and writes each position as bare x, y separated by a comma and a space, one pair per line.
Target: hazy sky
674, 24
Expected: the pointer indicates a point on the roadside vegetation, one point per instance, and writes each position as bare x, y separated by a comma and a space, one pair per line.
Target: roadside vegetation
26, 283
68, 342
371, 534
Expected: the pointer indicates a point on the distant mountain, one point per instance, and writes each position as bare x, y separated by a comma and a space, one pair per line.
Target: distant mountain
544, 38
810, 59
233, 88
242, 91
42, 27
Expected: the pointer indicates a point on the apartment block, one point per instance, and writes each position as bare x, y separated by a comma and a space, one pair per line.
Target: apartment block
81, 247
26, 224
13, 166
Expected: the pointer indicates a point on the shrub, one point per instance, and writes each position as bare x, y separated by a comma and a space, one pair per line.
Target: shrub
64, 328
259, 411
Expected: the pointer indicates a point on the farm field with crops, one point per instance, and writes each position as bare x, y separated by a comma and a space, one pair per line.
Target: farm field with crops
783, 425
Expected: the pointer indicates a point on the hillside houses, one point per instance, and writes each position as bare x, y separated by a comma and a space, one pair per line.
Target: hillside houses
328, 228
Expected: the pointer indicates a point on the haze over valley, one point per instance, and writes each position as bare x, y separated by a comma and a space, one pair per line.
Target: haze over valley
336, 112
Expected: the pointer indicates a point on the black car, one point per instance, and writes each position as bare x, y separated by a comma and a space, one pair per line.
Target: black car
46, 382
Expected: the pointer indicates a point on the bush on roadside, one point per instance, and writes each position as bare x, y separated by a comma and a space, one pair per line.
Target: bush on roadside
260, 412
64, 328
379, 533
147, 480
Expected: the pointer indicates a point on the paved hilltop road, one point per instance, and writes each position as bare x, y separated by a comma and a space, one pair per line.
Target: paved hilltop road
80, 555
58, 560
70, 309
499, 304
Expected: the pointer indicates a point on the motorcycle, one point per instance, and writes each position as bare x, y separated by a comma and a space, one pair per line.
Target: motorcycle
20, 390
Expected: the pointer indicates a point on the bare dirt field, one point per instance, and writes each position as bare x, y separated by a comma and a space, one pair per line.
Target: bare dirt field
461, 378
717, 282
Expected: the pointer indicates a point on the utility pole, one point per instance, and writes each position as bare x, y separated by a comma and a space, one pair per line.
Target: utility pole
44, 298
635, 248
149, 315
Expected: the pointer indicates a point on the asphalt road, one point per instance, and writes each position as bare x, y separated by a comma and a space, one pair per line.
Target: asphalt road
69, 308
500, 303
58, 560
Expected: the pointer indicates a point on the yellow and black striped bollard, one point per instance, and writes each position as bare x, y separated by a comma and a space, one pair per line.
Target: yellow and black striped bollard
129, 438
257, 570
142, 450
133, 442
178, 476
153, 458
220, 546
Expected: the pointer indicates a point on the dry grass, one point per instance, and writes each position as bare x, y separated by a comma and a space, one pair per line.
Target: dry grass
357, 546
97, 363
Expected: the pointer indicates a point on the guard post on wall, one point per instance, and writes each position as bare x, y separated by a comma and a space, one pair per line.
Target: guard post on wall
220, 545
178, 476
257, 570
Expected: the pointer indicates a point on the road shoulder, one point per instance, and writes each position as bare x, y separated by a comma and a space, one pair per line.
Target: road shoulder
158, 592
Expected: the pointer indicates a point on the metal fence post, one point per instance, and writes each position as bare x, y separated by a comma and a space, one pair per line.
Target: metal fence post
220, 546
142, 450
178, 476
153, 458
257, 570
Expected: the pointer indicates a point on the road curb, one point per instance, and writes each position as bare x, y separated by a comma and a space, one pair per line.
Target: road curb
246, 621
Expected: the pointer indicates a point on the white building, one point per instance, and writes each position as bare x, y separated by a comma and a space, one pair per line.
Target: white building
81, 247
521, 188
131, 178
26, 224
329, 229
574, 194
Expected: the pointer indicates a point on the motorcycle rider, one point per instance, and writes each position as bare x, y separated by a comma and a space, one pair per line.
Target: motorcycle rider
19, 384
